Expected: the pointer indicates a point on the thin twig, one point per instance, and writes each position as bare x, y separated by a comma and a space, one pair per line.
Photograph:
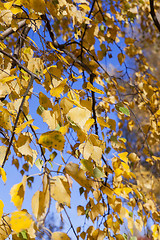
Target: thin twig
70, 222
20, 65
17, 118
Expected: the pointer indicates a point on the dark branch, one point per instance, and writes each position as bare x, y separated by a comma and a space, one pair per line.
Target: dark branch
17, 118
20, 43
20, 65
154, 17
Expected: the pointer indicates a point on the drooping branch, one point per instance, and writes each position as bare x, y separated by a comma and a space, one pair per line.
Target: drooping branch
153, 14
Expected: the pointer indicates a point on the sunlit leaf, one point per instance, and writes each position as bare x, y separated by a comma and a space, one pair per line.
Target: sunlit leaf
59, 236
1, 208
17, 193
20, 220
52, 139
3, 175
22, 126
60, 190
98, 172
79, 116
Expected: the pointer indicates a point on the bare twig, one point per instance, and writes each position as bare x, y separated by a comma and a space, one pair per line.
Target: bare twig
70, 223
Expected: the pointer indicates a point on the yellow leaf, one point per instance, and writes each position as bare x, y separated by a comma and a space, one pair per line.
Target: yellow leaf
79, 116
102, 122
5, 229
1, 208
40, 202
80, 210
108, 191
121, 58
74, 97
44, 101
64, 129
7, 79
32, 41
3, 150
22, 126
53, 139
77, 174
86, 149
40, 7
84, 6
8, 5
62, 58
66, 104
89, 86
139, 224
20, 220
3, 174
60, 190
2, 46
56, 91
51, 45
133, 157
123, 156
4, 110
59, 236
17, 193
88, 124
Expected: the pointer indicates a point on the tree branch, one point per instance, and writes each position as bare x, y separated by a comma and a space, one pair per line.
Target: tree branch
20, 65
20, 43
17, 118
9, 31
154, 17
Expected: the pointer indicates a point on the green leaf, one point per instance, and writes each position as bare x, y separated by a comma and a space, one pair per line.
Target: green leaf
22, 235
133, 238
39, 163
98, 172
125, 236
125, 111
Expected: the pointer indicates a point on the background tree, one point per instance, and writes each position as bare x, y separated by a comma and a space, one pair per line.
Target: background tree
52, 57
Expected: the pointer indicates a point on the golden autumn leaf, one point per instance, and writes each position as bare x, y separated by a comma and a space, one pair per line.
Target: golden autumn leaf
57, 91
77, 174
22, 126
52, 139
40, 203
5, 229
7, 79
1, 208
20, 220
79, 116
3, 174
3, 150
123, 156
59, 236
17, 193
121, 58
89, 86
60, 190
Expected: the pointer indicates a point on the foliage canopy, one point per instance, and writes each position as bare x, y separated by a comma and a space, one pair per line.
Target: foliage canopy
85, 63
